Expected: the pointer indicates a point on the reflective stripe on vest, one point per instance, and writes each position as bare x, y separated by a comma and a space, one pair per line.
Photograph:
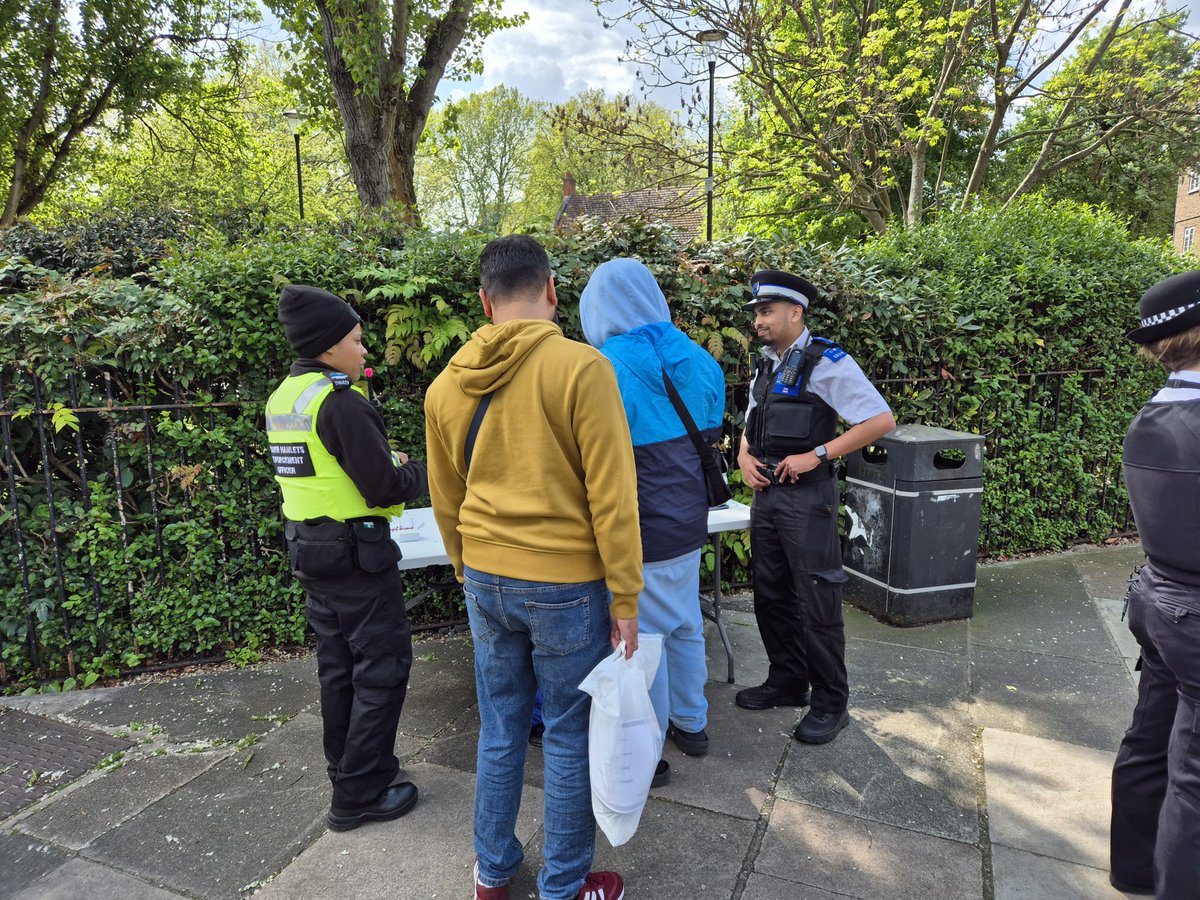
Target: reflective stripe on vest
327, 490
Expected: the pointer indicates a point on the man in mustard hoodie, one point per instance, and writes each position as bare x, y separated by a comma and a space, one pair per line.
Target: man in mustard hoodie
534, 489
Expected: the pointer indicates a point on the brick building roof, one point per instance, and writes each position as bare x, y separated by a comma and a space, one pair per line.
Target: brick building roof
682, 208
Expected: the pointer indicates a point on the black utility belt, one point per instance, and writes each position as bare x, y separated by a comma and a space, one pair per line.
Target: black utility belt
329, 548
820, 473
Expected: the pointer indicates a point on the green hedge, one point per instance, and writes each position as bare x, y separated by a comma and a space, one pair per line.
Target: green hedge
951, 318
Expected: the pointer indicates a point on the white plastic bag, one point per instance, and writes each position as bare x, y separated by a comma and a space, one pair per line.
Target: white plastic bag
624, 740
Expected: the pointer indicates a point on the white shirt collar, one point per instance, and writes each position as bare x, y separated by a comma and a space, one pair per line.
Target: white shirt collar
802, 341
1186, 375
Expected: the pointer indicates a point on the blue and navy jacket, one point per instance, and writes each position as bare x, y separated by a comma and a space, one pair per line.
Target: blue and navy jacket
624, 314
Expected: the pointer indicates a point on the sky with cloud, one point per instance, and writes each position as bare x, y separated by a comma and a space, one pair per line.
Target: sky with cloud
564, 48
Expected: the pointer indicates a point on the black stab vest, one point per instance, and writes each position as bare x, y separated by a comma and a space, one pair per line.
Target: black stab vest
780, 425
1162, 473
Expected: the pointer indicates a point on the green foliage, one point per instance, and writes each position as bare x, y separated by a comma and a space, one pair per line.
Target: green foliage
72, 69
223, 150
174, 549
610, 144
474, 159
1135, 172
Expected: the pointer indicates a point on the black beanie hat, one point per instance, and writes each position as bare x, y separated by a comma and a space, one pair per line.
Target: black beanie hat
314, 320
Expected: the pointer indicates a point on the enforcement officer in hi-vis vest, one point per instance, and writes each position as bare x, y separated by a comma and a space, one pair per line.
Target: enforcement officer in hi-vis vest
1155, 830
802, 385
341, 482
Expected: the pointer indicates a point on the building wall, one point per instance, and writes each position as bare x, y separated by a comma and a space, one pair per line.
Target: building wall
1187, 213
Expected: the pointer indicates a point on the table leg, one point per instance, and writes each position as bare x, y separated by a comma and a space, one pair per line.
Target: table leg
713, 613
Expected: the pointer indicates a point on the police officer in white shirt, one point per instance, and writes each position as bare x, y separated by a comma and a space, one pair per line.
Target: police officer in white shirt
802, 386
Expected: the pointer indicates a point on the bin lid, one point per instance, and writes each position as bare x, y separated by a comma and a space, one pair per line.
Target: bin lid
928, 434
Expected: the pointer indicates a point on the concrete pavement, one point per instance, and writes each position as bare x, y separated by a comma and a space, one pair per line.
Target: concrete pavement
976, 765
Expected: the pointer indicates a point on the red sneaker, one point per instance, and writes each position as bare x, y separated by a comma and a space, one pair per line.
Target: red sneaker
488, 893
602, 886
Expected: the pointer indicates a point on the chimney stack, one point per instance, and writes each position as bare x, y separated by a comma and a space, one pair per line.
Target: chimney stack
568, 185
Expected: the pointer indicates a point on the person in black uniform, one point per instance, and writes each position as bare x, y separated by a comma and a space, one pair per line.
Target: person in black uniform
1155, 830
341, 482
802, 385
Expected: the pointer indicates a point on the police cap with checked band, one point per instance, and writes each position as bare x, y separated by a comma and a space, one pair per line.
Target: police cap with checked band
1171, 306
773, 285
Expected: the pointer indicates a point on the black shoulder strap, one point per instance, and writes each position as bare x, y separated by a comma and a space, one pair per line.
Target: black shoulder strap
1185, 385
686, 417
812, 355
484, 402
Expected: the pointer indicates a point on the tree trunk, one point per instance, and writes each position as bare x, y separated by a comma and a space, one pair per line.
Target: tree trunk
367, 145
916, 185
402, 163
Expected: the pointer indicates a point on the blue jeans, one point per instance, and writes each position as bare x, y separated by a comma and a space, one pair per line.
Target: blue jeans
670, 605
530, 635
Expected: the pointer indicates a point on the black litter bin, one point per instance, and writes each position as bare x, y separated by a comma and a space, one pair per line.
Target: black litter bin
912, 525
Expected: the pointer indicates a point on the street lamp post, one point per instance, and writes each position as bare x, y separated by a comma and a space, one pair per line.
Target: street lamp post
294, 119
710, 42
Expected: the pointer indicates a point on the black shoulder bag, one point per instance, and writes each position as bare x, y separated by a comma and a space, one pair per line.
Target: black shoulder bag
711, 459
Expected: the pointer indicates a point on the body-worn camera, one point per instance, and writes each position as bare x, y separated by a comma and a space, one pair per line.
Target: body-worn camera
768, 472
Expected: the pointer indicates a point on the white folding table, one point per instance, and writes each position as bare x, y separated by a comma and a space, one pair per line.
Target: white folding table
420, 542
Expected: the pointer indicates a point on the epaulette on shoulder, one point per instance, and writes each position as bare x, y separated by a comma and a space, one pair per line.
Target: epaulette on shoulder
832, 351
341, 381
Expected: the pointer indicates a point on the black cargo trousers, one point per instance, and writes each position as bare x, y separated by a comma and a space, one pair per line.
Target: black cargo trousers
798, 578
355, 605
1156, 779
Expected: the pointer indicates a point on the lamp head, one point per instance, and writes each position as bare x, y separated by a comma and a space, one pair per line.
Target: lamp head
295, 119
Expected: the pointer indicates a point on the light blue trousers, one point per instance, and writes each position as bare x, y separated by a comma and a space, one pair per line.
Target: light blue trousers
670, 605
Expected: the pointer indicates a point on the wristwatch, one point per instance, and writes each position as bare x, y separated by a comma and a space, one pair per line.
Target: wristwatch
821, 452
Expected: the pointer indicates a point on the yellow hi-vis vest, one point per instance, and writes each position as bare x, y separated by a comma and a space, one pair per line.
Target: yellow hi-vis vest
312, 482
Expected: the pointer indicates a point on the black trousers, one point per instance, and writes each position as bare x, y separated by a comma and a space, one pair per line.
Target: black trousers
798, 579
364, 654
1155, 830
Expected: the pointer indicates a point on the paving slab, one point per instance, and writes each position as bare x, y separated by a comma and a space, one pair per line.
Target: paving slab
855, 857
225, 705
745, 748
1106, 573
899, 763
427, 853
237, 823
441, 685
55, 705
83, 878
1026, 876
678, 853
1073, 700
1038, 605
764, 887
751, 664
39, 756
1112, 614
76, 818
1048, 797
947, 637
909, 673
24, 860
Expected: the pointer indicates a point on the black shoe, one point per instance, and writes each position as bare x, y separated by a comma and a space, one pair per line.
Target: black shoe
662, 774
392, 804
535, 734
767, 697
693, 743
820, 728
1127, 887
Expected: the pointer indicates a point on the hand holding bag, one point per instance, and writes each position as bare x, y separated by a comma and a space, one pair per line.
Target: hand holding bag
711, 459
624, 740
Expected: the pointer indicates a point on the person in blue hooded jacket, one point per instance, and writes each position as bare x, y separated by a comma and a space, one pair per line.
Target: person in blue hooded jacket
624, 314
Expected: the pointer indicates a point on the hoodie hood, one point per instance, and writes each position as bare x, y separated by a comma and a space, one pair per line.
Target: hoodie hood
492, 356
620, 296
